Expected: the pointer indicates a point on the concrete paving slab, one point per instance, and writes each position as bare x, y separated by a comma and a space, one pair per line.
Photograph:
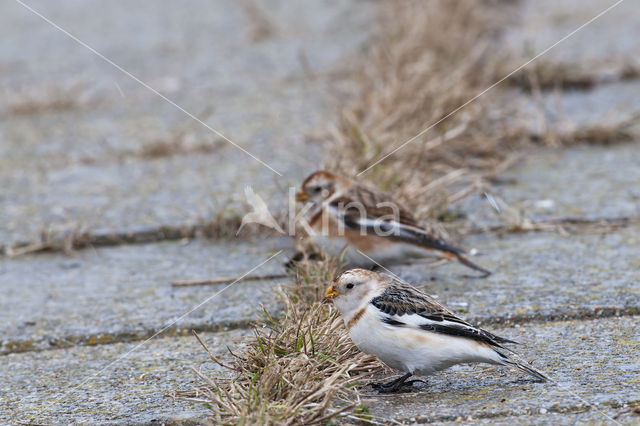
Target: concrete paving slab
612, 37
588, 182
124, 293
595, 365
73, 129
542, 276
585, 416
178, 191
75, 385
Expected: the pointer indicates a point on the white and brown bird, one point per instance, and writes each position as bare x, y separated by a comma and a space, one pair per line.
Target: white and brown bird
372, 226
410, 331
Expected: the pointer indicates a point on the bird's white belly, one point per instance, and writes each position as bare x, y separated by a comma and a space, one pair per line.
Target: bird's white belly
413, 350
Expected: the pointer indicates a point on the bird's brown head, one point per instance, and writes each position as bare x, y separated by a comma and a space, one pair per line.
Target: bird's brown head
319, 186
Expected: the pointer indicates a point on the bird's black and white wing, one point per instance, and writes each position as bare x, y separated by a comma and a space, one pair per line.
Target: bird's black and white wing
401, 305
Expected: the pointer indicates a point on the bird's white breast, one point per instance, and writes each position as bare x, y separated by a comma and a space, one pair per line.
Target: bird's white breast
415, 350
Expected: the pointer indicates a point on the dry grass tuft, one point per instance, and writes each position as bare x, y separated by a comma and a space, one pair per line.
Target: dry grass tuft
180, 141
432, 58
162, 148
299, 368
602, 133
260, 27
549, 75
46, 98
184, 138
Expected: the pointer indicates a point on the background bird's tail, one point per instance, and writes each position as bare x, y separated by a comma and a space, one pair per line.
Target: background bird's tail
466, 262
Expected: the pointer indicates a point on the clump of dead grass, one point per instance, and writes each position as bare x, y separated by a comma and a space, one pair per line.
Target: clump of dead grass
434, 57
161, 148
47, 98
185, 138
430, 60
260, 27
300, 367
553, 74
602, 133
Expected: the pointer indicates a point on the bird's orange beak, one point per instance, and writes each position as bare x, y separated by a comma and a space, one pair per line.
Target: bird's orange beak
331, 292
301, 196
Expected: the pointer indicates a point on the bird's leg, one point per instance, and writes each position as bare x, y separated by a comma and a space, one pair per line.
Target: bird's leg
394, 385
299, 257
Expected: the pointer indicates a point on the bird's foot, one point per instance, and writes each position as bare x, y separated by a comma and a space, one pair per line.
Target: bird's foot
398, 385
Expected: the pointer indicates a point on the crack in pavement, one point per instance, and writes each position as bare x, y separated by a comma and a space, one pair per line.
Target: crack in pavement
94, 339
146, 235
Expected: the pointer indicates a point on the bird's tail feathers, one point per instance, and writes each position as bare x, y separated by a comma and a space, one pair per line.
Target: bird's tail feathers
504, 340
522, 366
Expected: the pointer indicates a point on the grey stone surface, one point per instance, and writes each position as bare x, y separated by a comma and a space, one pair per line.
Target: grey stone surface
611, 38
542, 276
584, 415
594, 363
120, 293
589, 182
74, 135
99, 384
73, 128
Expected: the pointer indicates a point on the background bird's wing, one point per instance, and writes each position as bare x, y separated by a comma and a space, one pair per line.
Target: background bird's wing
401, 305
385, 219
379, 204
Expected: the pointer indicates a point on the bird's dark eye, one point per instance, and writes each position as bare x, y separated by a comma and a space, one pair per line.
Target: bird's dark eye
350, 286
316, 189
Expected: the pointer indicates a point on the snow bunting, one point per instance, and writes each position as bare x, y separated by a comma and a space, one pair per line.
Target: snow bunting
410, 331
343, 213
